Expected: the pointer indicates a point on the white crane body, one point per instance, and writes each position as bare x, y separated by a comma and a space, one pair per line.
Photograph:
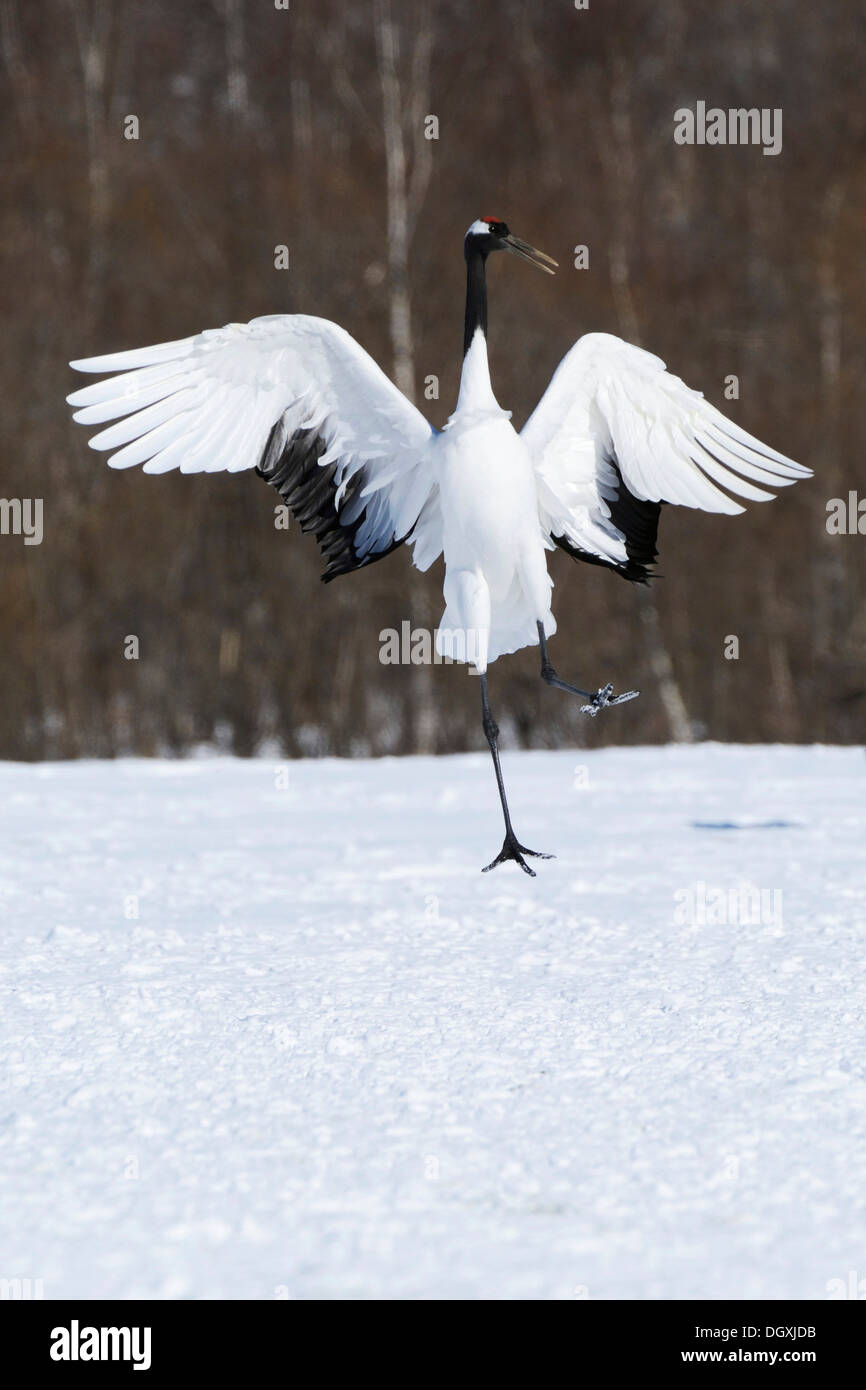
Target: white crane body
496, 583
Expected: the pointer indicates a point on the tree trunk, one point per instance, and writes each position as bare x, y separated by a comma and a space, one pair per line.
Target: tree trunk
421, 712
830, 562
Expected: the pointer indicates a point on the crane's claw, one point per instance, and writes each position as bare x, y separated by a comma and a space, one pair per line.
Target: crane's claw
606, 697
512, 849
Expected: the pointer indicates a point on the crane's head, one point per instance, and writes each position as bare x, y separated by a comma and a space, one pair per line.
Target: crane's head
490, 234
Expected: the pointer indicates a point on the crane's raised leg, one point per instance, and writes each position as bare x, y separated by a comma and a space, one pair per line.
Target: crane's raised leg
511, 846
597, 702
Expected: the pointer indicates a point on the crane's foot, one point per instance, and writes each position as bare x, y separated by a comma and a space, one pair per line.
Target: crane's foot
606, 697
512, 849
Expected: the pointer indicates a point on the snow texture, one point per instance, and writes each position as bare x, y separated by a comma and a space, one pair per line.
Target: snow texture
268, 1032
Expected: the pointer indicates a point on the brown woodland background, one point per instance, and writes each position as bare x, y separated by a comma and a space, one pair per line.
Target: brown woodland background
261, 126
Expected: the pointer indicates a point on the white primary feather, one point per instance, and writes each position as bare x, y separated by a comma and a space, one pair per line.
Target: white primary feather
209, 403
608, 400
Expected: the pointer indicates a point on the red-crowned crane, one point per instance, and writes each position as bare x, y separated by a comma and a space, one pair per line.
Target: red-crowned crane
298, 400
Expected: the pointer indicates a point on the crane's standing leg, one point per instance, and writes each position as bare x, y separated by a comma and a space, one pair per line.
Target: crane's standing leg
597, 702
511, 846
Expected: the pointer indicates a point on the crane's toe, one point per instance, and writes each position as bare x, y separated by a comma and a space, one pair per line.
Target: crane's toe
512, 849
606, 697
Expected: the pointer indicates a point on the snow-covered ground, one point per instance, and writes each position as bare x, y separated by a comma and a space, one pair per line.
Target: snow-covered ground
267, 1031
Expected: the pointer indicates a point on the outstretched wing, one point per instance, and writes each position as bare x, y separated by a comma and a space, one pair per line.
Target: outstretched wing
615, 435
297, 399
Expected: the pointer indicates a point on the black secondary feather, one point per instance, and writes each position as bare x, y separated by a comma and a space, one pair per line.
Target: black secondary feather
638, 521
291, 465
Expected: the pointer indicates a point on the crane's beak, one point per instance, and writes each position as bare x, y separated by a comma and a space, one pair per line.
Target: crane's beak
529, 253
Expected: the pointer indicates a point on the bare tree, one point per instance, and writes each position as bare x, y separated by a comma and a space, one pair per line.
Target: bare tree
406, 186
20, 77
94, 32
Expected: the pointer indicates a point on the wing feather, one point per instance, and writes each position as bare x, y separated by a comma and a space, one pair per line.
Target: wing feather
610, 404
295, 398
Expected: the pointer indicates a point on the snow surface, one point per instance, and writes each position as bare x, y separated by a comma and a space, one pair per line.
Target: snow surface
329, 1058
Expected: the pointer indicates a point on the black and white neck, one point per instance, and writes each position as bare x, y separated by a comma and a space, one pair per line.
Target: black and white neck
476, 391
476, 248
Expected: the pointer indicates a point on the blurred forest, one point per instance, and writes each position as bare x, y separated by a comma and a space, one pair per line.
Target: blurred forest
304, 126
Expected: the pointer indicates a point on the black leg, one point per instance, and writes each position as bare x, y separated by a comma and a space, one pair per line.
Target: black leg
511, 847
597, 702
